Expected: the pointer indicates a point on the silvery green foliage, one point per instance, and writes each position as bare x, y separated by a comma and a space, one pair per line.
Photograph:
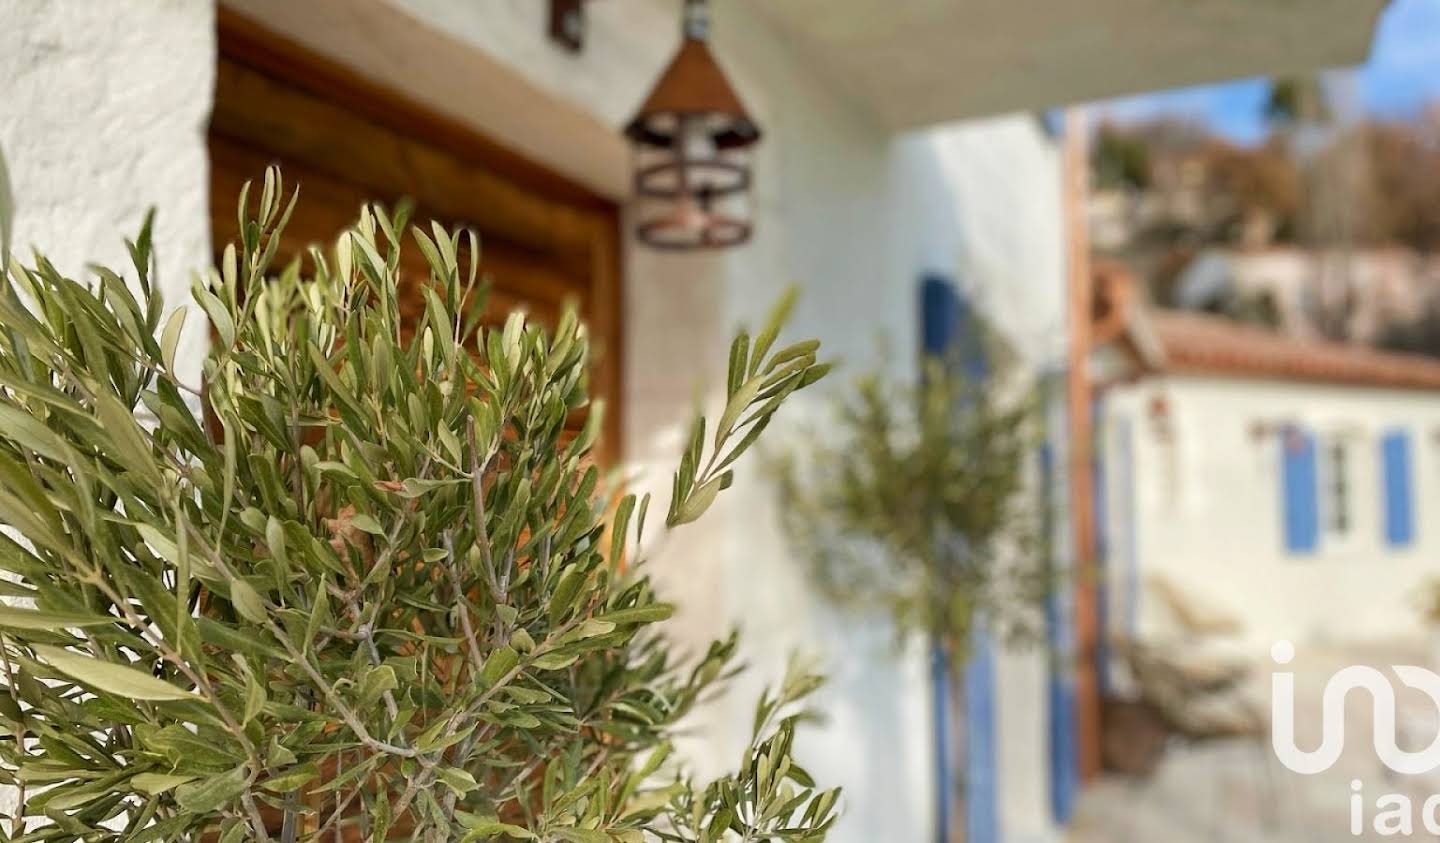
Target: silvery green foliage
372, 593
914, 500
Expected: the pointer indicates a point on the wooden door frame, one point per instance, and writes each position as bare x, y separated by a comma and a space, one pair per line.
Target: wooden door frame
254, 45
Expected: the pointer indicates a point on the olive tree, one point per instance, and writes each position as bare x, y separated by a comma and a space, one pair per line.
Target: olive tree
913, 498
366, 583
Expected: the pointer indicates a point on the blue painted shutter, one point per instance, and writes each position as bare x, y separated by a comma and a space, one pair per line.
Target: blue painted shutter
1396, 476
942, 315
982, 789
939, 312
1064, 758
940, 712
1300, 492
948, 330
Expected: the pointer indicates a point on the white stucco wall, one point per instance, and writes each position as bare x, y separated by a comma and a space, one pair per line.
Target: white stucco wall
102, 116
1207, 509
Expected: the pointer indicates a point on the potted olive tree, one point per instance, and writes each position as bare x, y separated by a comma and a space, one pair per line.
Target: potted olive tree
913, 500
373, 591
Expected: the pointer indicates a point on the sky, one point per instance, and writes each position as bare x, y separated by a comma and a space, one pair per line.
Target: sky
1401, 77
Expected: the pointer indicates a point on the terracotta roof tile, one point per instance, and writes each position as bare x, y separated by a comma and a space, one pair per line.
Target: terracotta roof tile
1200, 343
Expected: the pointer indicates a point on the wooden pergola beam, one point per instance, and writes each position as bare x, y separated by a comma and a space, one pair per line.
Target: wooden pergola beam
1081, 474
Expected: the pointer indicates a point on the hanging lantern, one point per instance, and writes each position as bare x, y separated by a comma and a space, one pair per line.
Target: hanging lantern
692, 140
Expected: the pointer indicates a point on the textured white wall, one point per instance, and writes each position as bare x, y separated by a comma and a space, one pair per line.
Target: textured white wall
981, 202
102, 116
1207, 508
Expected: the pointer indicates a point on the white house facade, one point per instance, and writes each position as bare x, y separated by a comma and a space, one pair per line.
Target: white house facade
1263, 489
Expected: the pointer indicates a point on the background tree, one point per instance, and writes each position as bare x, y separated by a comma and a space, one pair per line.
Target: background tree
914, 500
1251, 184
375, 594
1295, 100
1120, 159
1399, 202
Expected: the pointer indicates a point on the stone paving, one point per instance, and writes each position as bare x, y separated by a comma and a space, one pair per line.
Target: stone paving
1235, 790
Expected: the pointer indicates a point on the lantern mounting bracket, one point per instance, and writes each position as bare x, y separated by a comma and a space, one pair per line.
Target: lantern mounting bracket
568, 24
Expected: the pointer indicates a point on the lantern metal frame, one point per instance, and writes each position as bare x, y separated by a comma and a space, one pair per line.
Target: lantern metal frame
691, 93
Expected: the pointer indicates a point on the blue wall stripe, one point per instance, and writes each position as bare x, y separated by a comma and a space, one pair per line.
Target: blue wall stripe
1398, 488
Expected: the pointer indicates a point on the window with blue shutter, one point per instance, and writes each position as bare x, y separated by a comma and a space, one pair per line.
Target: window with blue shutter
1300, 492
1398, 485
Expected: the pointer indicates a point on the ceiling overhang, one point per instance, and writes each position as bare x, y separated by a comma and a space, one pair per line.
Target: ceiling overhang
915, 63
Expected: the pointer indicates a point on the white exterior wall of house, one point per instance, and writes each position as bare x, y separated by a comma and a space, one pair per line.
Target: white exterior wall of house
110, 119
1205, 502
102, 120
98, 124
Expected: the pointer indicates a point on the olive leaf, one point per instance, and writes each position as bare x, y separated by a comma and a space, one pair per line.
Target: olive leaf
111, 677
18, 617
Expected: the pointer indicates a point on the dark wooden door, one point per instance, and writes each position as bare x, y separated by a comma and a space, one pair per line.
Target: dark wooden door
545, 240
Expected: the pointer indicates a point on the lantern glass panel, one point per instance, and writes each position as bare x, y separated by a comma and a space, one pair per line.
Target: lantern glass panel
686, 204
